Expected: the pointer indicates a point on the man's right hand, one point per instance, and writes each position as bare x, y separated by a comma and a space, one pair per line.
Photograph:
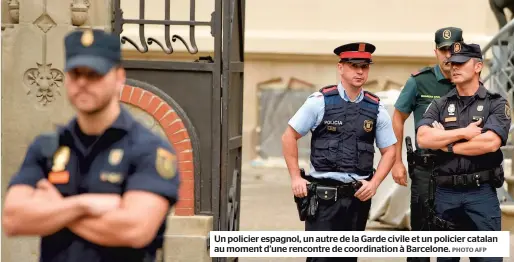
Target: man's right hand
399, 174
473, 130
98, 204
299, 186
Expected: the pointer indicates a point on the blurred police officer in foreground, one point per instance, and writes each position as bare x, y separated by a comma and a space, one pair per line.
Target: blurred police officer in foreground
344, 120
100, 188
467, 127
421, 88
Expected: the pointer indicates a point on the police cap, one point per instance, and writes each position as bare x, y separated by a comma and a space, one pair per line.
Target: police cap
447, 36
92, 48
462, 52
355, 52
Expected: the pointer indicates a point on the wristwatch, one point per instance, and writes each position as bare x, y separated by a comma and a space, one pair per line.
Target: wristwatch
450, 148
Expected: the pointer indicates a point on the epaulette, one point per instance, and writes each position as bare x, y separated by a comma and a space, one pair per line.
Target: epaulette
329, 90
494, 94
372, 97
422, 70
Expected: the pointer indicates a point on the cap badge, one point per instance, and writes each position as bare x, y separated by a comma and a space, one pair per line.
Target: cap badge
87, 38
456, 48
447, 34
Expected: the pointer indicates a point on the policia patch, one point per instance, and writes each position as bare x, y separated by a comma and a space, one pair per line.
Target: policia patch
507, 111
165, 163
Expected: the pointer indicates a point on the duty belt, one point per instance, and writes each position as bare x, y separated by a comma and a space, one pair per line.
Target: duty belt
464, 180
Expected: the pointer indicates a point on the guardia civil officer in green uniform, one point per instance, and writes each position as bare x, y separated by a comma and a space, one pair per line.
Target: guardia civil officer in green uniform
99, 189
419, 90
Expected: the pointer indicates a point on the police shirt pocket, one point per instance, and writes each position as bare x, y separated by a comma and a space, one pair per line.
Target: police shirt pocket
109, 182
365, 153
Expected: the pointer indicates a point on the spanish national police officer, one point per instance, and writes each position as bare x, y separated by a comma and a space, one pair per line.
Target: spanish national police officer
99, 188
420, 89
345, 121
467, 127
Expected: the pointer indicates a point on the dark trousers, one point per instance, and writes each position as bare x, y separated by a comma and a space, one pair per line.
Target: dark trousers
345, 214
475, 209
418, 211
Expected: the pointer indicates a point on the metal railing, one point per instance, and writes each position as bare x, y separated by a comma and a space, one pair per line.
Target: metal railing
499, 56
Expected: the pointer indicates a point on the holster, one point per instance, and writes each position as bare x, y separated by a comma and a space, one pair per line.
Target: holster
498, 177
307, 206
435, 223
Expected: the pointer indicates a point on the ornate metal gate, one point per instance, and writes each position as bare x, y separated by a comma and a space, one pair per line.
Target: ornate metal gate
206, 93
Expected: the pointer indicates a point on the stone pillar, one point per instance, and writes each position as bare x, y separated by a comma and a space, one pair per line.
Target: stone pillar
33, 95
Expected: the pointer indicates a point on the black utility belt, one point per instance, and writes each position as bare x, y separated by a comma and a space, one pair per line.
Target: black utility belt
333, 193
465, 180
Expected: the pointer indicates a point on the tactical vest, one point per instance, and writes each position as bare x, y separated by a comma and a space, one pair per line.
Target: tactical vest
454, 114
343, 141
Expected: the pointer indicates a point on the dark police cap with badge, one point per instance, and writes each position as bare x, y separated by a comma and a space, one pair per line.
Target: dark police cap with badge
92, 48
355, 53
462, 52
447, 36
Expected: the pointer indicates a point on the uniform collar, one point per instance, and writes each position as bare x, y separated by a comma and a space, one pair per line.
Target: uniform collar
124, 122
439, 74
481, 92
344, 96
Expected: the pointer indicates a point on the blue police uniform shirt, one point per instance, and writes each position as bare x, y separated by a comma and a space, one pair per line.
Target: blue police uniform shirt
310, 115
122, 159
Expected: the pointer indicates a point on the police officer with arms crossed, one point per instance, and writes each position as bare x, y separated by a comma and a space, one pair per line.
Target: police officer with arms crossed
344, 120
467, 127
420, 89
101, 187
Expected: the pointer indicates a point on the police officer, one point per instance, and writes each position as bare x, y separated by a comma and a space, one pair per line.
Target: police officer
420, 89
99, 188
467, 127
344, 120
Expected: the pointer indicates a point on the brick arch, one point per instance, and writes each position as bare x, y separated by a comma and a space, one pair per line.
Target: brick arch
178, 136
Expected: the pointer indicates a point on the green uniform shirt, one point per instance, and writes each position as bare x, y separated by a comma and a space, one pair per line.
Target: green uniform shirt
420, 89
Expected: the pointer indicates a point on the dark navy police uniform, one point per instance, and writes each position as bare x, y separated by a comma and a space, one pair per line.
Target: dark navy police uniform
125, 157
465, 192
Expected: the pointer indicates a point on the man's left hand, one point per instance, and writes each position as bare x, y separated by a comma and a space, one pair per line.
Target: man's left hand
367, 190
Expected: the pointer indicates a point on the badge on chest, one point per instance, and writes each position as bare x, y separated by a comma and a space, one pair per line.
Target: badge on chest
59, 174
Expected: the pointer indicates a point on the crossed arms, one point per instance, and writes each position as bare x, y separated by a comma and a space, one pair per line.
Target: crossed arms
34, 206
476, 141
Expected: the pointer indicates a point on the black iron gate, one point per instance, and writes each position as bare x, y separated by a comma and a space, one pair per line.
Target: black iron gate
209, 93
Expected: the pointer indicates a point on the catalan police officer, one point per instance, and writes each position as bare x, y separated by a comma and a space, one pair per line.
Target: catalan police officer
420, 89
344, 120
99, 188
467, 127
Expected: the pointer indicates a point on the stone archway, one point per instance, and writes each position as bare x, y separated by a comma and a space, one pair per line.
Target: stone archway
162, 118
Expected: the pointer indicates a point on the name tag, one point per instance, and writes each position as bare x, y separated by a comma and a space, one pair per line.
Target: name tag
450, 119
62, 177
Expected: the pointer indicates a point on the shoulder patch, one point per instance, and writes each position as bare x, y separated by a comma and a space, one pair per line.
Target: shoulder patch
422, 70
327, 89
372, 96
165, 163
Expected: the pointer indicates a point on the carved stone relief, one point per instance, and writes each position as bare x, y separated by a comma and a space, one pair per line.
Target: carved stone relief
14, 10
44, 22
146, 119
44, 82
79, 13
